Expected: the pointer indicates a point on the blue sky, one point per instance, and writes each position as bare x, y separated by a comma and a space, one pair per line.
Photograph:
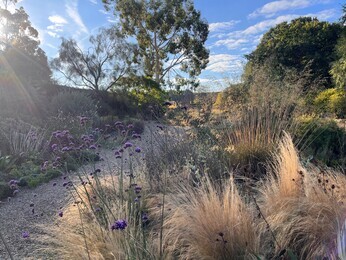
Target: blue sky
235, 27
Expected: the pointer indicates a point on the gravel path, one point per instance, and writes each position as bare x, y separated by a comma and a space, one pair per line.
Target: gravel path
35, 210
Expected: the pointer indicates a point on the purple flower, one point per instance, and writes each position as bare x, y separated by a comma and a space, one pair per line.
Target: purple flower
138, 150
120, 224
54, 147
92, 147
61, 214
118, 157
130, 126
138, 189
145, 217
65, 149
15, 192
12, 182
128, 144
25, 234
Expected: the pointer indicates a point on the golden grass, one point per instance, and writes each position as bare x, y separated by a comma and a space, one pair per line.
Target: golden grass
84, 237
210, 223
201, 220
303, 207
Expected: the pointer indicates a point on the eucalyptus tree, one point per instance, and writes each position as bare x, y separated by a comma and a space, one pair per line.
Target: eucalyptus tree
170, 34
20, 47
100, 66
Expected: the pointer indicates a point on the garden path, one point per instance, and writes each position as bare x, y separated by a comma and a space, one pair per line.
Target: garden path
37, 210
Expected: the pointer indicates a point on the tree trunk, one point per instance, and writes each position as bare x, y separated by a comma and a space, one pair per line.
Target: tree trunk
157, 61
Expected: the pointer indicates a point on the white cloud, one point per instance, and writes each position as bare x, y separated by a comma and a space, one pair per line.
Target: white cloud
325, 14
93, 1
102, 11
214, 27
230, 43
53, 34
58, 23
266, 24
272, 8
246, 40
55, 27
57, 19
222, 63
72, 11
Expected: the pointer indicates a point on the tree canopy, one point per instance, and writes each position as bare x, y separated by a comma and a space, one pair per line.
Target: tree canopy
20, 51
107, 60
169, 34
302, 43
338, 70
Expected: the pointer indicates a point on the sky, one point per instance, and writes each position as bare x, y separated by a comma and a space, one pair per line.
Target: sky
235, 26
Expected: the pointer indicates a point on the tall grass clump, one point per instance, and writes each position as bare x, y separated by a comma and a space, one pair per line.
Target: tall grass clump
109, 217
302, 207
210, 222
21, 138
253, 138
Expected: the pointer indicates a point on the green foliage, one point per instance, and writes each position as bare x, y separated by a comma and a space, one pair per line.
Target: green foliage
307, 38
147, 95
166, 31
323, 139
5, 190
333, 101
338, 70
36, 179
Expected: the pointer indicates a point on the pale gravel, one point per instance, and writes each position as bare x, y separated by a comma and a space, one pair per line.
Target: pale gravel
16, 214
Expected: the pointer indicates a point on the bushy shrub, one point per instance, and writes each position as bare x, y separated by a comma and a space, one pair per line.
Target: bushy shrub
117, 103
322, 139
5, 190
332, 101
253, 138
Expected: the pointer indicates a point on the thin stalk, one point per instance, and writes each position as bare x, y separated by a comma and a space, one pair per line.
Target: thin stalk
162, 215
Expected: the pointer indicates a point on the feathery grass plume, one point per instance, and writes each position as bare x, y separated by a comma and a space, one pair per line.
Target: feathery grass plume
210, 222
302, 206
253, 138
